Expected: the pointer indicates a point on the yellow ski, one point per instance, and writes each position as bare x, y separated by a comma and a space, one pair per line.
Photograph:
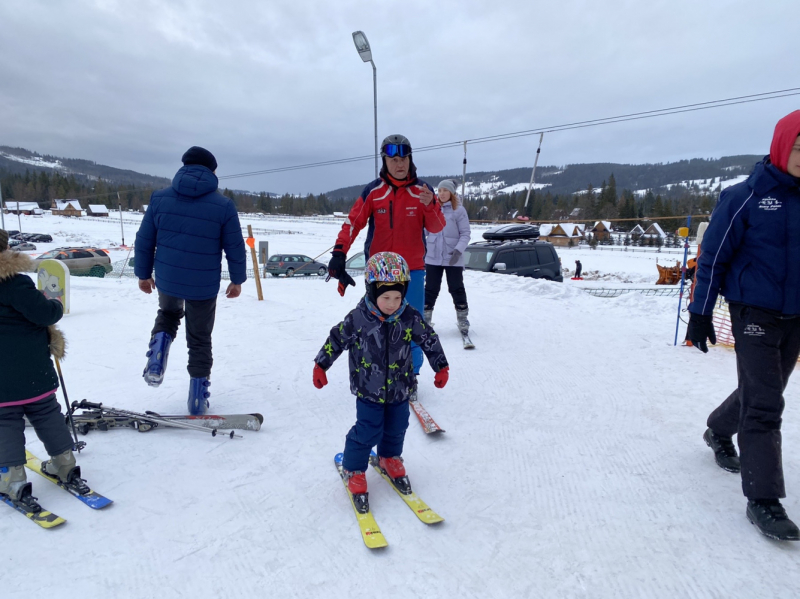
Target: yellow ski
419, 507
44, 518
372, 535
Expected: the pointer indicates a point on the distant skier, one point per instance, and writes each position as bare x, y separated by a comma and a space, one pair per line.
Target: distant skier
378, 334
183, 233
445, 256
397, 207
578, 270
29, 381
751, 253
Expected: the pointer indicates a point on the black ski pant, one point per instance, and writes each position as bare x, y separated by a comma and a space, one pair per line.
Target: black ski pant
455, 284
767, 348
48, 422
200, 316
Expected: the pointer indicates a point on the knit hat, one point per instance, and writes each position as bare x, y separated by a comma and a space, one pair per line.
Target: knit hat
201, 156
3, 240
786, 132
447, 184
375, 290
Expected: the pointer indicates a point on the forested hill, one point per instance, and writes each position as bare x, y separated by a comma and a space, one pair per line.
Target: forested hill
19, 160
578, 177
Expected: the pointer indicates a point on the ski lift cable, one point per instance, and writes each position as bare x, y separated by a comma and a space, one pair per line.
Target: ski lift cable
550, 129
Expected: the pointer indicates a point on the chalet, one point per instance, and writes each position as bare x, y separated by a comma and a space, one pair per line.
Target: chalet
96, 210
23, 208
561, 234
636, 232
601, 230
67, 208
654, 231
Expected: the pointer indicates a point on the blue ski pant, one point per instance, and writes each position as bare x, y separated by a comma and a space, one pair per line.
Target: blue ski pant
416, 297
378, 424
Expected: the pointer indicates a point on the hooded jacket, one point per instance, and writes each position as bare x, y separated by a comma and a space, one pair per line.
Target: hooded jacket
454, 236
381, 366
396, 219
751, 249
183, 233
27, 332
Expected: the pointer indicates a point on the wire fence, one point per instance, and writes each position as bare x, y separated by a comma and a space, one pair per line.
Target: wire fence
648, 291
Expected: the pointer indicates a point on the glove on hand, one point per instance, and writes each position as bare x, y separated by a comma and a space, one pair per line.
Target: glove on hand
440, 380
336, 269
320, 378
701, 328
455, 258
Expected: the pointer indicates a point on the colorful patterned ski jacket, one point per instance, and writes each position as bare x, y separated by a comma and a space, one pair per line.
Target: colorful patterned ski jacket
381, 367
396, 219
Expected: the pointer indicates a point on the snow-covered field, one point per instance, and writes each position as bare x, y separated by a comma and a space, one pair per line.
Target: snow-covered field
573, 463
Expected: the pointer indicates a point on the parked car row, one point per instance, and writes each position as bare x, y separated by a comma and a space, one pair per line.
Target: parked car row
21, 246
35, 237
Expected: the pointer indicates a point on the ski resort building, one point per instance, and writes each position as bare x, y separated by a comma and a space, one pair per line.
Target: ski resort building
67, 208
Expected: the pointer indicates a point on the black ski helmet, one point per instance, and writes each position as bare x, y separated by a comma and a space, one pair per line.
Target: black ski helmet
394, 139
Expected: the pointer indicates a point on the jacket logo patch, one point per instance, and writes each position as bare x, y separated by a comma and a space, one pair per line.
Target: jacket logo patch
411, 211
770, 204
754, 330
381, 211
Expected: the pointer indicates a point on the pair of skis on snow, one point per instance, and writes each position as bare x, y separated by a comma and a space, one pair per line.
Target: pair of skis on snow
370, 532
47, 519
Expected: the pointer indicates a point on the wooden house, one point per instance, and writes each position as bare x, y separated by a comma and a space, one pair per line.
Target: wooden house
96, 210
601, 230
67, 208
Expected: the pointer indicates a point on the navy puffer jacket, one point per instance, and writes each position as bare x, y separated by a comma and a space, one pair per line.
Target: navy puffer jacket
751, 249
183, 233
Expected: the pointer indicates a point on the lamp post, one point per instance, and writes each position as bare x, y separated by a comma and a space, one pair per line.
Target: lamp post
364, 51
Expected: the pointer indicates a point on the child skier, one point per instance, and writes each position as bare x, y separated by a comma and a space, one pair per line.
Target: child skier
29, 381
378, 333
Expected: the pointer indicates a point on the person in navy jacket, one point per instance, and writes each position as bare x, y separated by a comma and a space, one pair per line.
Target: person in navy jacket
184, 231
751, 254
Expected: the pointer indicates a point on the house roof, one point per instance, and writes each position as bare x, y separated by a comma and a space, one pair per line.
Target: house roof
544, 230
606, 224
62, 204
564, 230
98, 208
637, 229
14, 205
655, 229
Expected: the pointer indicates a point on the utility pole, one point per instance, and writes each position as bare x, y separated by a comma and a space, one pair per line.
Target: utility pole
2, 208
121, 227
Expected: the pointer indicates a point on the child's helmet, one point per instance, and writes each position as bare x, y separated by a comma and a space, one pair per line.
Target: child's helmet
386, 267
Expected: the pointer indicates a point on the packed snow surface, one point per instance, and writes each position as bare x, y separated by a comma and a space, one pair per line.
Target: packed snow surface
573, 464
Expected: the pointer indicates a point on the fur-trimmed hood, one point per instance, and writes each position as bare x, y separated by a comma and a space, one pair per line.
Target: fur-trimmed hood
58, 343
12, 263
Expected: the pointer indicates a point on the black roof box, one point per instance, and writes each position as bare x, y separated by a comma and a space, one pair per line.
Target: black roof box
513, 231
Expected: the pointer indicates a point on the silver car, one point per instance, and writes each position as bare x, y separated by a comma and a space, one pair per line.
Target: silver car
84, 261
294, 264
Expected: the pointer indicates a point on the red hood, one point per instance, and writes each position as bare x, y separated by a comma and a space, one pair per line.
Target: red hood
786, 132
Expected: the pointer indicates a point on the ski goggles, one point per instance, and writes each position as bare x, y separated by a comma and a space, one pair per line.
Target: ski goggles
392, 150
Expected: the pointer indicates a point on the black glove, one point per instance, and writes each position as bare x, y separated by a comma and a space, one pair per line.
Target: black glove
336, 269
456, 256
701, 328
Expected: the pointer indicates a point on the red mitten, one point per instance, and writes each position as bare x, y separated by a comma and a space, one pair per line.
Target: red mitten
320, 379
440, 380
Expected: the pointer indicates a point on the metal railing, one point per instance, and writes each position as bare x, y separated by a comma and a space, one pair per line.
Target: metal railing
666, 291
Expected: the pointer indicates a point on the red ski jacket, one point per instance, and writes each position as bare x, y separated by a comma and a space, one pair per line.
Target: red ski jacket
397, 219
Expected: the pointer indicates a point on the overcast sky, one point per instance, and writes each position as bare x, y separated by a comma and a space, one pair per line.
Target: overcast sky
265, 84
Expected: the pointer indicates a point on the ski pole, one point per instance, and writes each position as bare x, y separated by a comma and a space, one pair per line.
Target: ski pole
78, 444
170, 423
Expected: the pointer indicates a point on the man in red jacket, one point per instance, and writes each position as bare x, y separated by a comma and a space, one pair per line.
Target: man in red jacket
398, 207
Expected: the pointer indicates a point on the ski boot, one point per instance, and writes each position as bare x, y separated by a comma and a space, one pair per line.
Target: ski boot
769, 517
62, 468
394, 469
198, 396
14, 485
724, 451
427, 315
157, 359
357, 485
463, 327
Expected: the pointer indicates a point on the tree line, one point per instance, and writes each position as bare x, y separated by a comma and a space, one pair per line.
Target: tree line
602, 203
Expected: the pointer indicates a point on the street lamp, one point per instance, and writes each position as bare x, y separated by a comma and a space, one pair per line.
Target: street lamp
364, 51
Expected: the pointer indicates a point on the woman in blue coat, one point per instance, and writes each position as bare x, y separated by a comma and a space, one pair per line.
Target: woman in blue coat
445, 256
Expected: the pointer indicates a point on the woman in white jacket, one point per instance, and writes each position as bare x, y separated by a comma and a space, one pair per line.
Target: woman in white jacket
445, 256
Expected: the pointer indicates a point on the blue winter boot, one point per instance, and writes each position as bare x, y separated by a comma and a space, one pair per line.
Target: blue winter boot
198, 396
157, 359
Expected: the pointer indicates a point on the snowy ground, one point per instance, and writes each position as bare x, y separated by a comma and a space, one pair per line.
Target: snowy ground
572, 466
